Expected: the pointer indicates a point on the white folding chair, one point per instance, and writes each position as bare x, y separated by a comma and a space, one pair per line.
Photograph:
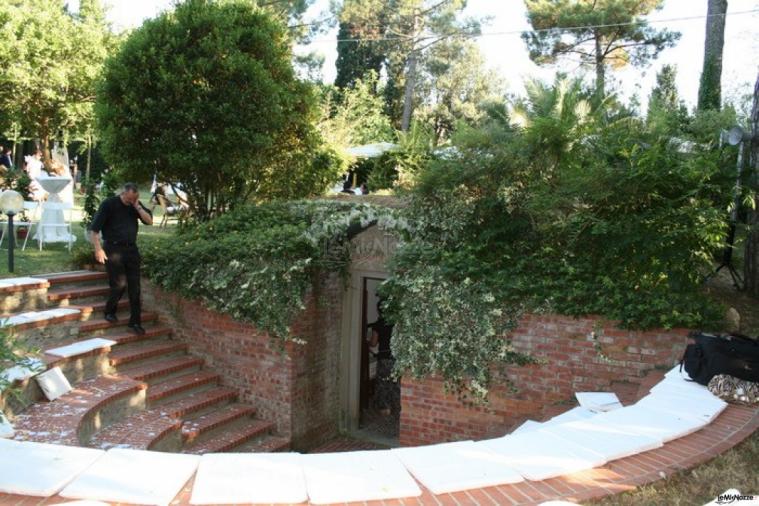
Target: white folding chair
46, 223
30, 208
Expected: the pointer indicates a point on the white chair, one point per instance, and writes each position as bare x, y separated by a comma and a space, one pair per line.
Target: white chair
51, 220
30, 209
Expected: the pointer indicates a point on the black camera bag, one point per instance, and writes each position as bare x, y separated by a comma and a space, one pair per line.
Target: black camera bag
710, 355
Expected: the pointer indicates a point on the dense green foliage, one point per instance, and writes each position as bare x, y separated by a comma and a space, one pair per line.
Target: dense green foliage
52, 60
206, 96
598, 33
575, 216
257, 262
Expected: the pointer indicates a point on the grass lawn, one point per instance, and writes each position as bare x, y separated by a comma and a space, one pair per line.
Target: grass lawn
55, 257
736, 468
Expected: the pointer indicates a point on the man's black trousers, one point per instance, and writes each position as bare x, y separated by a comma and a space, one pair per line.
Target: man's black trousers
123, 266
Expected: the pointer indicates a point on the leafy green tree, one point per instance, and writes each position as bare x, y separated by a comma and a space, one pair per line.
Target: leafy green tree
665, 104
710, 87
55, 58
206, 97
600, 33
356, 58
454, 86
358, 116
408, 28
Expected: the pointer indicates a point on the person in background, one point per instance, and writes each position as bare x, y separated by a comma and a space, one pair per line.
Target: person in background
118, 219
387, 392
6, 158
34, 169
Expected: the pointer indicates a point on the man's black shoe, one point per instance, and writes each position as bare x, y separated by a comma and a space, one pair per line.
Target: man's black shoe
136, 328
111, 318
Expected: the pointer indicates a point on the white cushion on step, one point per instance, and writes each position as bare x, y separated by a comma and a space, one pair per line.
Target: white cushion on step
22, 371
453, 467
604, 438
40, 469
574, 414
53, 383
22, 281
538, 455
527, 426
81, 347
357, 476
134, 476
649, 422
6, 428
35, 316
249, 478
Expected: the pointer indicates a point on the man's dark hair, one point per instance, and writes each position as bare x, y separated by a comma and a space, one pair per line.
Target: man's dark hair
130, 187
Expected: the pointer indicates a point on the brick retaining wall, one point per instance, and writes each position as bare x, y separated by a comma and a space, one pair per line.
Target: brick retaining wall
295, 387
585, 354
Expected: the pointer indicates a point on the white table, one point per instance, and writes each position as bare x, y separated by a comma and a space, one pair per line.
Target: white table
52, 222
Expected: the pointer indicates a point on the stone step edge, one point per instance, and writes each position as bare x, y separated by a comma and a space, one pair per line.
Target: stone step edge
73, 277
119, 358
191, 429
195, 402
158, 369
181, 384
54, 320
77, 293
93, 325
231, 439
148, 419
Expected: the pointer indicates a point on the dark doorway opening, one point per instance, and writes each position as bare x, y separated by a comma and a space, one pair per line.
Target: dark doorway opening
379, 395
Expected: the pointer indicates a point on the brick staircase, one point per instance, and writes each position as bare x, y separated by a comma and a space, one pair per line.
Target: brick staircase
186, 407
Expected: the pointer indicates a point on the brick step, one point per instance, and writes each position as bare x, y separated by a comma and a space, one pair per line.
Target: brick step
191, 429
73, 277
98, 307
74, 416
267, 444
139, 432
198, 401
181, 384
151, 349
77, 293
100, 324
231, 438
156, 370
128, 337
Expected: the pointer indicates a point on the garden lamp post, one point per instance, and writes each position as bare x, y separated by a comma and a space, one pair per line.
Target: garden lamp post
11, 203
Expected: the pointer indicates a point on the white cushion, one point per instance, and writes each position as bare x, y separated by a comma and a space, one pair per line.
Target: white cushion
53, 383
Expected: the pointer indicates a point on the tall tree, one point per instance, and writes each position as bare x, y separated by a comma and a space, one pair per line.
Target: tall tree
751, 256
206, 96
664, 101
356, 57
601, 33
50, 87
408, 29
710, 87
454, 86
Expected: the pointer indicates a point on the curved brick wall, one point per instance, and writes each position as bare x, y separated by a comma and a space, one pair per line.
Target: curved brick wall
581, 354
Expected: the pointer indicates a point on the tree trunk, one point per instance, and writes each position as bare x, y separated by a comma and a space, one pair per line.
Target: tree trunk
710, 88
751, 257
89, 158
600, 70
408, 98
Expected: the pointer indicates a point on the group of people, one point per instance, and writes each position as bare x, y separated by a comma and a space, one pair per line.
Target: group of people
34, 167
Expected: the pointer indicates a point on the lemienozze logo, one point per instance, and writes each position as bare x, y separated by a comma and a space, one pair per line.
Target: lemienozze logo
734, 498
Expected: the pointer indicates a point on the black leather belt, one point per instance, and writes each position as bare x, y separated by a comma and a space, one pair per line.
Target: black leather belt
120, 243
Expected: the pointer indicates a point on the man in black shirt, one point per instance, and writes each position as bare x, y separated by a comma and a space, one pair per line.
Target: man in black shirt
117, 219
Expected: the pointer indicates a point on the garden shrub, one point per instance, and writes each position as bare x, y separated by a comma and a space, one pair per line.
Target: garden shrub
257, 262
